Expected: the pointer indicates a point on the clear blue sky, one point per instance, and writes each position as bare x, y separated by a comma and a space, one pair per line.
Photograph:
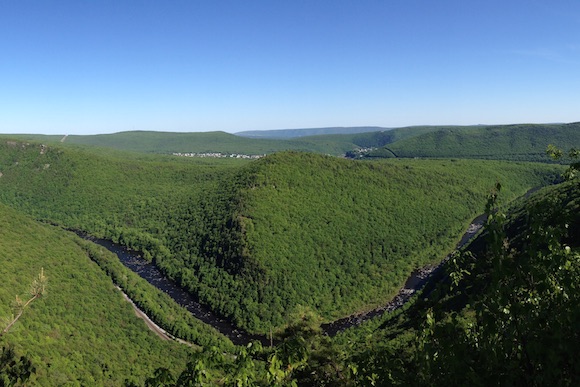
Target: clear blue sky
86, 67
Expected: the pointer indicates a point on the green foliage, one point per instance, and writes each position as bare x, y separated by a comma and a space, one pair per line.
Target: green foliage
156, 304
83, 332
14, 370
282, 244
509, 314
292, 234
573, 155
524, 323
335, 235
255, 240
504, 142
37, 289
450, 347
302, 356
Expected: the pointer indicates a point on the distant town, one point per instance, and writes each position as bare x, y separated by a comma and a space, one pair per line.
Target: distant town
219, 155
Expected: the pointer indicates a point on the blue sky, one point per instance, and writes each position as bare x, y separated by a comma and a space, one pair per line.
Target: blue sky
87, 67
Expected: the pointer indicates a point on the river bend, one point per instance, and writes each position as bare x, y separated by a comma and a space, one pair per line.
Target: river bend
155, 277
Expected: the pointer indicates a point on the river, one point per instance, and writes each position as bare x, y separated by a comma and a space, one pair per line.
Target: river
148, 271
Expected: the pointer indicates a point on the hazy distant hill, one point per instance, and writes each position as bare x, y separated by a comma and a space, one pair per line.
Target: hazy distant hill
225, 143
308, 140
507, 142
194, 142
372, 139
292, 133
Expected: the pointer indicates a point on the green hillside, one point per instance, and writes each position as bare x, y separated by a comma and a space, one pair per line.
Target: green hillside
505, 311
293, 133
505, 142
198, 142
375, 139
101, 191
271, 244
522, 142
337, 235
82, 331
213, 142
254, 240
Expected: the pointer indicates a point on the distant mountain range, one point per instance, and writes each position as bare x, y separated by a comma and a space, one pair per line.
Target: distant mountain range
507, 142
293, 133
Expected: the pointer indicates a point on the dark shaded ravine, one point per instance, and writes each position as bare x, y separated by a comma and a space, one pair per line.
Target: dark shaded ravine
155, 277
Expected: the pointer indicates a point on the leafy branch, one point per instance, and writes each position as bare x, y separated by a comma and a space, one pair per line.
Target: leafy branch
574, 154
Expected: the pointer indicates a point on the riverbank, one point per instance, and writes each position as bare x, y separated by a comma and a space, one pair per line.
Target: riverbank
414, 283
148, 271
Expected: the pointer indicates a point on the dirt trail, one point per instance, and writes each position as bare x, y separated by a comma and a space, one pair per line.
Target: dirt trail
150, 324
139, 313
414, 283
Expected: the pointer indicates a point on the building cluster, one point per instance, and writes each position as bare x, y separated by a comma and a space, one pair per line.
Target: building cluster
218, 155
359, 152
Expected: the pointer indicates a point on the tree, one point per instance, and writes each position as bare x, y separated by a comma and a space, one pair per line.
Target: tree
14, 369
520, 327
37, 290
574, 155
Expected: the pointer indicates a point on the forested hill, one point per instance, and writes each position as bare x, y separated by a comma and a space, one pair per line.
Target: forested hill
275, 244
254, 240
502, 312
293, 133
507, 142
227, 144
337, 236
196, 142
522, 142
80, 331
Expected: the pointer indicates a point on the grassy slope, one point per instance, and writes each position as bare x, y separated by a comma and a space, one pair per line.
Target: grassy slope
82, 331
508, 142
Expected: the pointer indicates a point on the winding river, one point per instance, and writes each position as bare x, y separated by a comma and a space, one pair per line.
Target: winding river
155, 277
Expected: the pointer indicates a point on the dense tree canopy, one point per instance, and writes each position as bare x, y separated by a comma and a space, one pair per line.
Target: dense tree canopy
280, 245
